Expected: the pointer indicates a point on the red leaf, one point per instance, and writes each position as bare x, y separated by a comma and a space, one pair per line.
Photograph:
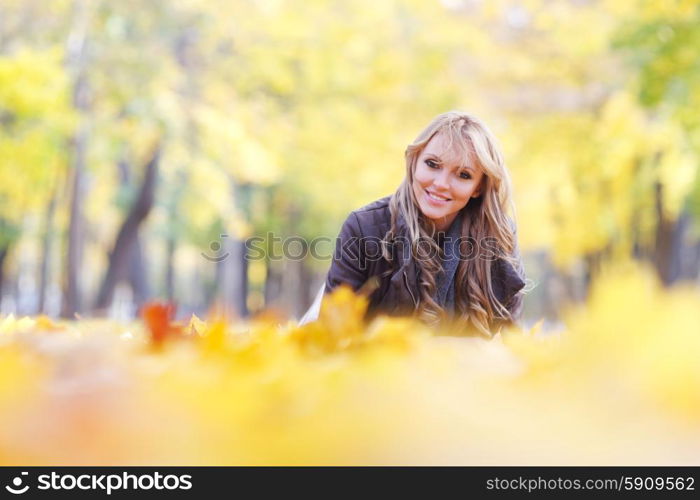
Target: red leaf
158, 317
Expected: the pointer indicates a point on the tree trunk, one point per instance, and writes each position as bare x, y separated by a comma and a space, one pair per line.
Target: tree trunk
688, 248
296, 285
3, 255
692, 269
72, 289
128, 234
232, 278
171, 245
306, 291
81, 97
669, 242
273, 283
46, 242
137, 274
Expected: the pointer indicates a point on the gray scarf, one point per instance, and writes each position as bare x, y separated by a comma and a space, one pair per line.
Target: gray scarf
445, 279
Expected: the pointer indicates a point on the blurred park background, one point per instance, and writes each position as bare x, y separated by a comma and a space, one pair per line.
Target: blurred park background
143, 142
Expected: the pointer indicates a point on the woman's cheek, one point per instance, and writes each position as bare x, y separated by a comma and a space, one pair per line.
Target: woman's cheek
419, 179
422, 177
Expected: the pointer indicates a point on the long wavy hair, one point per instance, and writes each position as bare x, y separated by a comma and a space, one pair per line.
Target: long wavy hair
487, 216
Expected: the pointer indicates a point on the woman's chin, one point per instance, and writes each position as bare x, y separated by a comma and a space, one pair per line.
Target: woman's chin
434, 214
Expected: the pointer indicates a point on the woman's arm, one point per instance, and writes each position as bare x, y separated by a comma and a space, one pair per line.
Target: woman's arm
508, 280
349, 265
516, 283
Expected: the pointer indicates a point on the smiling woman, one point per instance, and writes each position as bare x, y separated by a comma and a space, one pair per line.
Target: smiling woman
443, 246
442, 184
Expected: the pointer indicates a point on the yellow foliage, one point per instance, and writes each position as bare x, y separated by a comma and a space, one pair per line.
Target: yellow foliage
618, 385
33, 83
37, 115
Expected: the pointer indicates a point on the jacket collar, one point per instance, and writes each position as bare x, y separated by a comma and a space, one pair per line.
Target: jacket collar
506, 280
405, 280
445, 279
403, 287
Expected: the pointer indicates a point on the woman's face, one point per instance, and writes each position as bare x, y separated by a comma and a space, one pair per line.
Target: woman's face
442, 184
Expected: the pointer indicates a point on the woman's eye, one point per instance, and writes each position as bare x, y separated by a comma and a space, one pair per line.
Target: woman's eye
431, 163
465, 175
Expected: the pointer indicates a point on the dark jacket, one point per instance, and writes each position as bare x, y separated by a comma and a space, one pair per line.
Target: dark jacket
358, 262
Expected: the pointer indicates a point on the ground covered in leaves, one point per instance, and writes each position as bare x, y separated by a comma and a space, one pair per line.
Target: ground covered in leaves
621, 385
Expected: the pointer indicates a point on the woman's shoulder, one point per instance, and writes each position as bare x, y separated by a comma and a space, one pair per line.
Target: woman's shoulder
373, 218
382, 204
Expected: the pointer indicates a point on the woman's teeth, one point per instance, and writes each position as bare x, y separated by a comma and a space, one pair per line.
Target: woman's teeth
435, 197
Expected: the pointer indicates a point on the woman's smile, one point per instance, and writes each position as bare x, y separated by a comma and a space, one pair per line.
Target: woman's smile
438, 200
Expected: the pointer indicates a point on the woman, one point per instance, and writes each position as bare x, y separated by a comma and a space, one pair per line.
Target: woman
442, 246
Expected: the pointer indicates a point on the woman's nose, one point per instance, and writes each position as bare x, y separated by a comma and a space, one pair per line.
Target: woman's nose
441, 180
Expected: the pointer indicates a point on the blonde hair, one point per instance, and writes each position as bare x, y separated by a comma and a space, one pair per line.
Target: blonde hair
484, 217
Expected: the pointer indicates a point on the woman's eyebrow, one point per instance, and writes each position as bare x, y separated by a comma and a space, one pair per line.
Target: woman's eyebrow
439, 160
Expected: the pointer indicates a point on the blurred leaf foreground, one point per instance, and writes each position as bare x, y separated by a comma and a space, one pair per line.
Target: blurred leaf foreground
620, 384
